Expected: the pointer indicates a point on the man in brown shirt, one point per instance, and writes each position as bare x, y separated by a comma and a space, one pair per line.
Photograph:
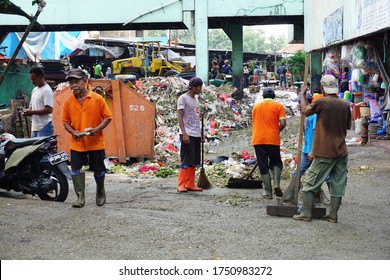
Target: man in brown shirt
329, 149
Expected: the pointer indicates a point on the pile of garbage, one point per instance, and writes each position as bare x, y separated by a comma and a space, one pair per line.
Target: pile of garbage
223, 115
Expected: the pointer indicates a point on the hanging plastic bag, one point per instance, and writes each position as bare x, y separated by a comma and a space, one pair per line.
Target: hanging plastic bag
332, 61
358, 54
361, 77
355, 75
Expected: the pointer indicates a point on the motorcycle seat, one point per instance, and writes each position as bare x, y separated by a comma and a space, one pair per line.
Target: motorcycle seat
22, 142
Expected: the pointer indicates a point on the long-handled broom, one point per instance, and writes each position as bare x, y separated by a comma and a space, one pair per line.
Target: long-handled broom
203, 182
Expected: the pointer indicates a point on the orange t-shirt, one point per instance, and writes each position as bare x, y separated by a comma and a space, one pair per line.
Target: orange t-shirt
265, 122
80, 117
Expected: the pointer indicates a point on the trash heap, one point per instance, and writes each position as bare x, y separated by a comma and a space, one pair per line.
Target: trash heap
224, 117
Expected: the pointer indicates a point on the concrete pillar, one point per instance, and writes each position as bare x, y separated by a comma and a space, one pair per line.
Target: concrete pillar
237, 55
234, 32
202, 40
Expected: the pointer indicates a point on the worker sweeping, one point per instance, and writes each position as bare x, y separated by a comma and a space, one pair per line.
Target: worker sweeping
190, 135
269, 119
329, 150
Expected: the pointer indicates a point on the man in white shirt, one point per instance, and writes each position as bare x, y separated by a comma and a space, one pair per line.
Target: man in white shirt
190, 135
41, 105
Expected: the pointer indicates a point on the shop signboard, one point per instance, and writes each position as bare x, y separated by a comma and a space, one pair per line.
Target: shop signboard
333, 27
373, 15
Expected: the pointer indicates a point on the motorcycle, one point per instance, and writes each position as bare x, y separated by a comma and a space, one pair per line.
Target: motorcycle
33, 166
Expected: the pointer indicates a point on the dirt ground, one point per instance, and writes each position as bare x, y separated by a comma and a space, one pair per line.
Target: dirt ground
146, 219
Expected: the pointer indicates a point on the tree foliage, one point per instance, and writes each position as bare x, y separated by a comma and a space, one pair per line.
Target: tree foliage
219, 40
254, 39
296, 64
276, 43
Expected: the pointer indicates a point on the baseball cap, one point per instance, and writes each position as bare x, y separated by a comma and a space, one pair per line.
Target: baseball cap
75, 73
268, 90
329, 83
194, 82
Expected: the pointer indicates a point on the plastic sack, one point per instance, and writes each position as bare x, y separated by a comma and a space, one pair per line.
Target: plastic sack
346, 52
332, 61
358, 126
358, 54
355, 75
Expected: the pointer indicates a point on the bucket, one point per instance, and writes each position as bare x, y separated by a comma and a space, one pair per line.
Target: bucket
357, 97
364, 111
373, 130
347, 95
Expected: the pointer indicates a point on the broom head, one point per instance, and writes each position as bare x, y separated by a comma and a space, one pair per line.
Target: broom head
203, 182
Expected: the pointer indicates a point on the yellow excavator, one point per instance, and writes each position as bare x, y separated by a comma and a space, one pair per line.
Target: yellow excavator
148, 61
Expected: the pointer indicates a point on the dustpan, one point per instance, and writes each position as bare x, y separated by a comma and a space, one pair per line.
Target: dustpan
245, 182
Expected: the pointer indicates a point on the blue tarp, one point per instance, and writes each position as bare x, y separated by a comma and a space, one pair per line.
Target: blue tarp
51, 50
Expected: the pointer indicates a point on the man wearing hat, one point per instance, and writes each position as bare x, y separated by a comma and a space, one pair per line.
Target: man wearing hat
306, 158
329, 149
269, 119
190, 135
84, 116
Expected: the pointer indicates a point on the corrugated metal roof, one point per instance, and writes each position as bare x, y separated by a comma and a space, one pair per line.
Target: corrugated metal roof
292, 48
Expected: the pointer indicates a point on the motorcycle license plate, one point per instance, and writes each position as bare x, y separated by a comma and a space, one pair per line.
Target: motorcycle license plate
58, 158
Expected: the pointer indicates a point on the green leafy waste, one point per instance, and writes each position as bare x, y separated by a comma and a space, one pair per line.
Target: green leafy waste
165, 172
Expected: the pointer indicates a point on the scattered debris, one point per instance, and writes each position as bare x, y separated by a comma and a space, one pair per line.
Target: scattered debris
223, 115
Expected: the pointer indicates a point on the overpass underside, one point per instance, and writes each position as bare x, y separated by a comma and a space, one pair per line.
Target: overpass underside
196, 15
213, 23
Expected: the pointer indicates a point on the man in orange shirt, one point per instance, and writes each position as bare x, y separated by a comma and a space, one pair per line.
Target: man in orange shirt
268, 119
84, 116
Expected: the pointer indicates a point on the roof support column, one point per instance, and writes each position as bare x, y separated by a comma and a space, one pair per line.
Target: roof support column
235, 33
237, 55
202, 40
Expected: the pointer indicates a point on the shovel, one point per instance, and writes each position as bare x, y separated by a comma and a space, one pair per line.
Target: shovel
203, 182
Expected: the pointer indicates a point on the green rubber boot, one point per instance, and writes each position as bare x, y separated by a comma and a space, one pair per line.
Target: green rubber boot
79, 188
100, 192
335, 203
305, 215
277, 175
267, 185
